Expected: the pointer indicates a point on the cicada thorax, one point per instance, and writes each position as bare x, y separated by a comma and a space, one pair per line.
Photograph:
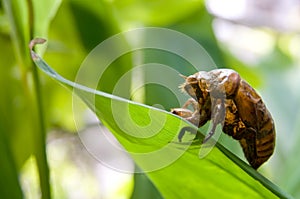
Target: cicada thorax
233, 125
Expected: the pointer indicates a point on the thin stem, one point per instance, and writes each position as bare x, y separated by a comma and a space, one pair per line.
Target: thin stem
40, 152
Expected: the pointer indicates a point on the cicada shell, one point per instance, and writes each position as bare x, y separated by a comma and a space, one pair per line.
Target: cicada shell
236, 105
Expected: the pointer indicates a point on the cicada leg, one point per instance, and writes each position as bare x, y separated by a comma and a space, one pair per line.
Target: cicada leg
218, 116
191, 116
191, 101
185, 129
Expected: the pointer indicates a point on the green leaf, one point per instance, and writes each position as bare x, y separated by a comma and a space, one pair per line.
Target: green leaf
28, 18
20, 24
176, 169
16, 143
154, 13
43, 13
9, 184
144, 188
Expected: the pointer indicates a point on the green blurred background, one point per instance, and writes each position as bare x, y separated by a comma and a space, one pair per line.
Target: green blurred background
258, 39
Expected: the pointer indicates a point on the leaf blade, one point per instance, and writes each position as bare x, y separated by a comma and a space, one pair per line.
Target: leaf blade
216, 170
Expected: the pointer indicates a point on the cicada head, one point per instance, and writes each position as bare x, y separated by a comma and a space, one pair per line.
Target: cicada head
191, 86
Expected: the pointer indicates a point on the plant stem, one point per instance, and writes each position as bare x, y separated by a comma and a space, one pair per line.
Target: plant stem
40, 148
40, 151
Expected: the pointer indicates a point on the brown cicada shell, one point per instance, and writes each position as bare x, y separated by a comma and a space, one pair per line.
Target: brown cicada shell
222, 96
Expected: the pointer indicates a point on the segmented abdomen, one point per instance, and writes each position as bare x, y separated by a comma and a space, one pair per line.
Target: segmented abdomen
258, 140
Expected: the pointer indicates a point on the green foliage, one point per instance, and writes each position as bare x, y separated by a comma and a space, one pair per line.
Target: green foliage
24, 90
171, 165
31, 104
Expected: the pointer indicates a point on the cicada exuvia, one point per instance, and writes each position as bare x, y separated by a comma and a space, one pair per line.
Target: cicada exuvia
244, 116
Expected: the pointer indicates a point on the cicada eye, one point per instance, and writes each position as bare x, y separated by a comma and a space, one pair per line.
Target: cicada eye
191, 80
191, 86
190, 90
